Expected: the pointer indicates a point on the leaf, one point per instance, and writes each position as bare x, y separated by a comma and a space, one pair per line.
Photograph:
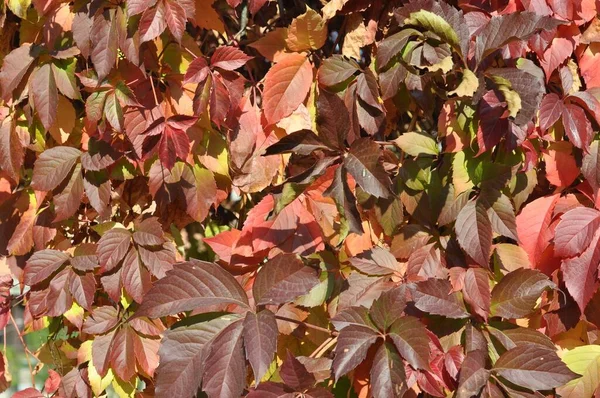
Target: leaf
113, 112
101, 320
68, 201
192, 285
580, 273
286, 85
135, 7
504, 29
332, 119
154, 22
12, 151
174, 144
416, 144
183, 353
392, 45
363, 163
435, 296
351, 349
14, 67
387, 373
272, 45
42, 264
229, 58
590, 167
21, 241
410, 338
294, 374
477, 291
585, 361
501, 213
45, 95
122, 355
474, 232
105, 41
473, 374
532, 226
197, 71
376, 261
225, 365
307, 32
575, 231
340, 192
113, 247
175, 18
468, 85
302, 142
577, 126
516, 294
336, 70
53, 166
533, 367
260, 341
436, 24
282, 279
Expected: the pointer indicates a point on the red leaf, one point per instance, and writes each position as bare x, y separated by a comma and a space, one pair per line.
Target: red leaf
193, 285
68, 201
183, 354
42, 264
153, 22
477, 291
14, 67
229, 58
45, 95
225, 374
113, 247
517, 293
101, 320
176, 18
283, 279
560, 49
196, 71
581, 273
575, 231
551, 110
286, 85
53, 166
105, 42
363, 163
260, 341
173, 144
533, 226
410, 338
352, 347
474, 232
561, 168
577, 126
122, 353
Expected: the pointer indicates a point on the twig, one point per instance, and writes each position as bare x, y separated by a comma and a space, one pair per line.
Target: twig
308, 325
322, 349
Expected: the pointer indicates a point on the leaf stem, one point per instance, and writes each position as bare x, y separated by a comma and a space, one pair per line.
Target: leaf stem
322, 349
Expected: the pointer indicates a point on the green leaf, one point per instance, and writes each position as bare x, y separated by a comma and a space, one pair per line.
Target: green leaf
435, 24
19, 7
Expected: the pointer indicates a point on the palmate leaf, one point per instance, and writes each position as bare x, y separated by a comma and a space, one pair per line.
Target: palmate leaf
534, 367
575, 231
42, 264
14, 67
228, 58
517, 293
45, 95
105, 41
473, 374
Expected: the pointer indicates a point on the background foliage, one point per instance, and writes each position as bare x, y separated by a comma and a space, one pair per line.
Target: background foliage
274, 198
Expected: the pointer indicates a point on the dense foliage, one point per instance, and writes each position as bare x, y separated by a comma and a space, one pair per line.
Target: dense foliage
287, 198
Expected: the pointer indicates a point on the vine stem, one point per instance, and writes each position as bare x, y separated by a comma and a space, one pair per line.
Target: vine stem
308, 325
27, 352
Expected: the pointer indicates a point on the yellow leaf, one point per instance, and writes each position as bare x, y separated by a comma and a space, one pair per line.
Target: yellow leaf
124, 389
75, 314
298, 120
585, 361
84, 353
65, 121
355, 36
19, 7
272, 46
331, 8
308, 31
99, 383
467, 86
207, 17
